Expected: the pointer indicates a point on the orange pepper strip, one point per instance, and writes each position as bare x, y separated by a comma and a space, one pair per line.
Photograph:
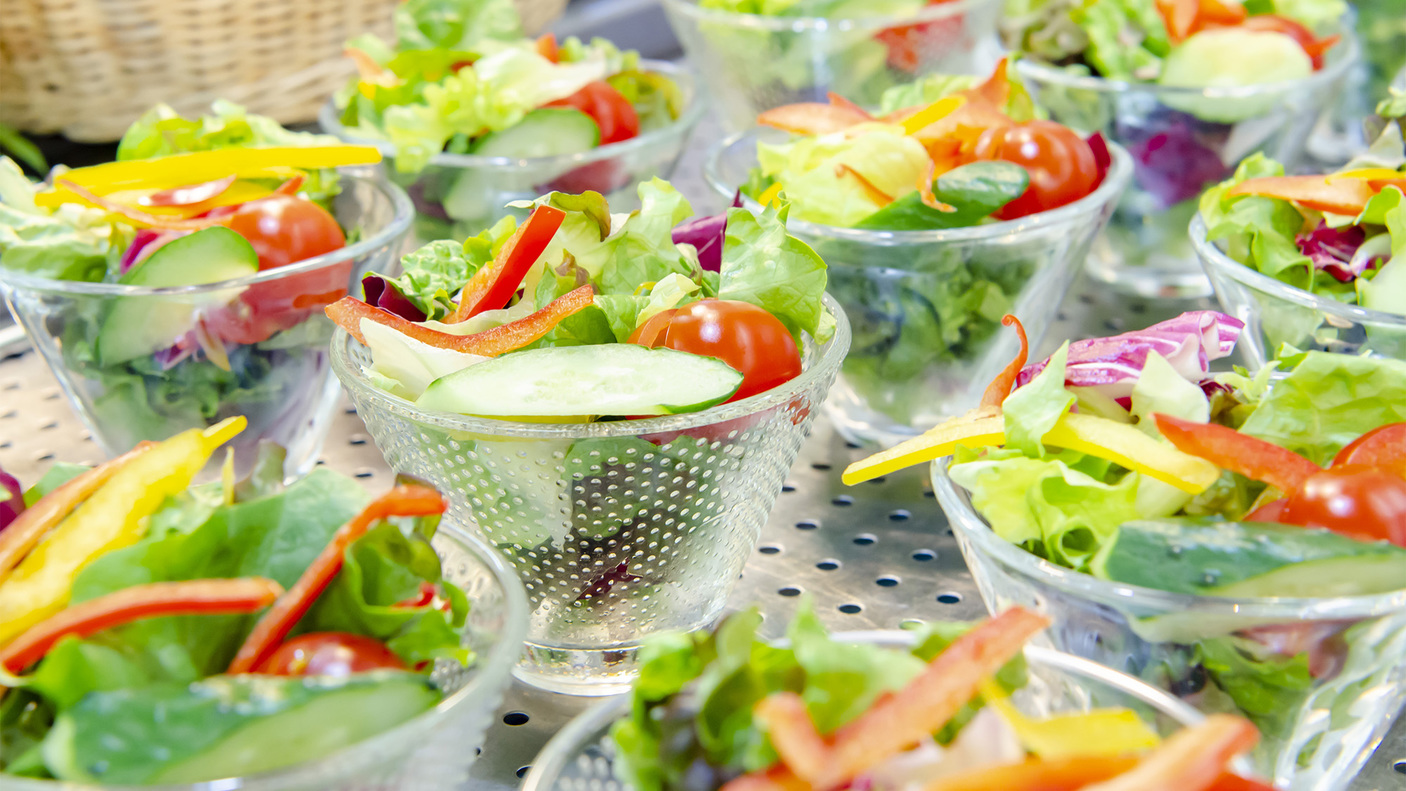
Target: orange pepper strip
874, 193
811, 118
1233, 782
1004, 382
348, 312
291, 186
1191, 759
1382, 448
1215, 12
1339, 196
1179, 16
1036, 774
192, 597
837, 100
275, 625
996, 90
30, 527
546, 46
792, 732
493, 285
134, 214
1228, 449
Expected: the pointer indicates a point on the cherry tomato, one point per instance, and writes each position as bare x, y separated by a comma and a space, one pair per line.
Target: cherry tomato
1384, 447
1271, 23
1269, 512
329, 654
1061, 164
1349, 499
744, 336
609, 108
284, 229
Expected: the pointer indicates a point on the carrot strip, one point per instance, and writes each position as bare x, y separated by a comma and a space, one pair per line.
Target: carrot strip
1058, 774
793, 734
193, 597
271, 629
1001, 386
1228, 449
837, 100
811, 118
1191, 759
1339, 196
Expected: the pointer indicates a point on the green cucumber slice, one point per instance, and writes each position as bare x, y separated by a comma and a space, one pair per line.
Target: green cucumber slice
546, 132
608, 379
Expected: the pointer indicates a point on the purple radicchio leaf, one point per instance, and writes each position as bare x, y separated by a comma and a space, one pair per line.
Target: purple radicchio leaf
1171, 162
1103, 158
1333, 250
707, 234
13, 505
382, 293
1189, 342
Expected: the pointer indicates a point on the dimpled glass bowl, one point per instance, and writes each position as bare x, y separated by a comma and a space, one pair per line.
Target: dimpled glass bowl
433, 750
283, 384
1181, 141
1316, 732
618, 529
458, 195
752, 62
579, 757
1276, 313
924, 306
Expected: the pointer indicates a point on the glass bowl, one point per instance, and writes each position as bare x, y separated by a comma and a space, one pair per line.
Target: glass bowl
618, 529
579, 757
1276, 313
1316, 732
282, 383
1181, 141
925, 306
752, 62
436, 748
458, 195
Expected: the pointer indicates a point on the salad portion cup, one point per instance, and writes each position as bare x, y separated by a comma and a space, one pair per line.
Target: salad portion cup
925, 306
1317, 730
1181, 140
580, 756
432, 750
254, 346
618, 529
1276, 313
457, 195
753, 62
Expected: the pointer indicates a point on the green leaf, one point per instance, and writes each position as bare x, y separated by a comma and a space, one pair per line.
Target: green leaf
20, 147
1032, 410
976, 191
764, 265
62, 472
454, 24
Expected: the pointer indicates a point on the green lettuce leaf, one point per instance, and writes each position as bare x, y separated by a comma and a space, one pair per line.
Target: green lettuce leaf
1255, 230
1032, 410
72, 242
454, 24
162, 131
764, 265
433, 275
1267, 687
812, 172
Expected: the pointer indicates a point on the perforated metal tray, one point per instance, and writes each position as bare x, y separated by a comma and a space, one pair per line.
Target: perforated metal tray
870, 556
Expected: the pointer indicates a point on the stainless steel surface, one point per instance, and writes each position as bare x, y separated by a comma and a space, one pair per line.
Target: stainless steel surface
870, 556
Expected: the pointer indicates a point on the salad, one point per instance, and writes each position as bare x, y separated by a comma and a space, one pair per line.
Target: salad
1125, 459
190, 202
947, 152
156, 632
460, 78
1336, 236
649, 313
727, 710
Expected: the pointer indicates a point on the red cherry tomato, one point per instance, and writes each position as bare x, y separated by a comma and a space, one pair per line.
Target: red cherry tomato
744, 336
1354, 500
1269, 512
284, 229
611, 111
1311, 44
329, 654
1061, 164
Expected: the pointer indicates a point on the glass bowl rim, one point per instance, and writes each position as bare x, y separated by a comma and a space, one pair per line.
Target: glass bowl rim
964, 519
567, 743
329, 119
1333, 70
804, 24
404, 213
1213, 258
499, 659
1115, 181
827, 362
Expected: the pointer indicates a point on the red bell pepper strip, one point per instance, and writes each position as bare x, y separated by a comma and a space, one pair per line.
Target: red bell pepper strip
30, 527
348, 312
1036, 774
275, 625
291, 186
1185, 17
1339, 196
193, 597
190, 194
493, 285
1192, 759
812, 118
1228, 449
546, 46
1233, 782
1383, 448
1001, 386
134, 214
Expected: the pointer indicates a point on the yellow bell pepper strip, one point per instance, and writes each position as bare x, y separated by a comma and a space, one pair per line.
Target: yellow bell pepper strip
1119, 443
112, 518
1098, 732
1192, 759
769, 195
35, 522
1001, 386
933, 113
191, 597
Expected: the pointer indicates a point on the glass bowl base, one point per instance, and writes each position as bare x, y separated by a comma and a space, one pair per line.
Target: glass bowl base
583, 672
1158, 276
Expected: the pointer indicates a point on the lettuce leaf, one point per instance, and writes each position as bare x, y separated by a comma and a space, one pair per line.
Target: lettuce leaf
72, 242
766, 266
454, 24
1031, 411
1255, 230
812, 172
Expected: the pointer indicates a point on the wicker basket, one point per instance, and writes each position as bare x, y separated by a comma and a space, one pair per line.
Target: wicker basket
88, 68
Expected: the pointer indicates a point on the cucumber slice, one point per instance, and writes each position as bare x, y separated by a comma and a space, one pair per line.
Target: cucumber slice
137, 326
546, 132
609, 379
